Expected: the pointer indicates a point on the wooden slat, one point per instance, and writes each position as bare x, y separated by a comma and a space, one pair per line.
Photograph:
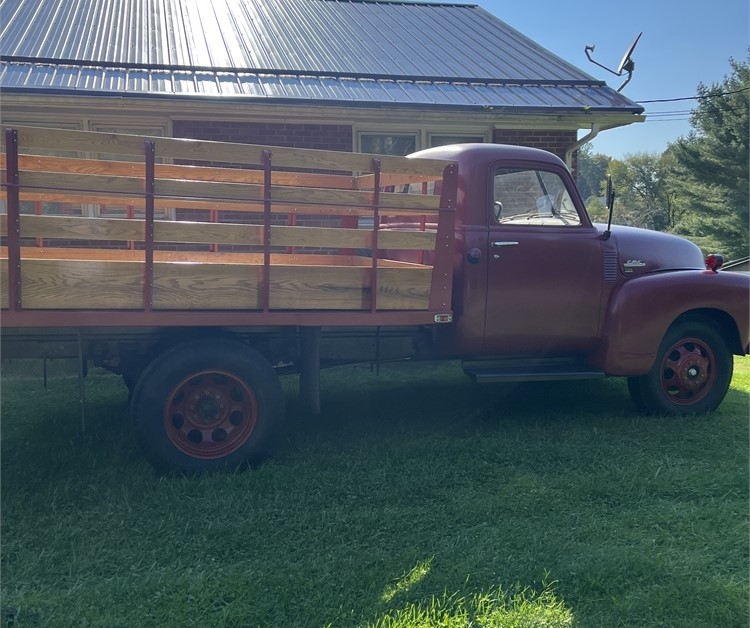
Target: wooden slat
137, 202
366, 181
103, 185
206, 286
106, 186
106, 229
71, 165
350, 238
407, 240
77, 228
201, 257
406, 202
76, 284
323, 237
343, 288
404, 288
206, 232
201, 150
340, 288
86, 284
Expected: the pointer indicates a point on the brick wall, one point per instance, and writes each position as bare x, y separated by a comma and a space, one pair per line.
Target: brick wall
556, 142
322, 136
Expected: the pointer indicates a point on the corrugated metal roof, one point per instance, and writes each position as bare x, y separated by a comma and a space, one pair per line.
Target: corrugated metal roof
292, 88
316, 50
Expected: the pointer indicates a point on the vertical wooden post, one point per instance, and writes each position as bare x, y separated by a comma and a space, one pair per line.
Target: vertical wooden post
441, 288
148, 271
266, 296
375, 230
14, 219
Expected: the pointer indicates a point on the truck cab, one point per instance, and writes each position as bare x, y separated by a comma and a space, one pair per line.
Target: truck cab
541, 292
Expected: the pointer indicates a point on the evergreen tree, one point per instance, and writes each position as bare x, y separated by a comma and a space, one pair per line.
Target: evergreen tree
711, 166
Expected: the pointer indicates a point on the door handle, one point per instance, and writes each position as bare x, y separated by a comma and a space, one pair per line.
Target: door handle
498, 244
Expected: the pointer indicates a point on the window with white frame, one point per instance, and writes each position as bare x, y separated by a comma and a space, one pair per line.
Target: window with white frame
388, 143
443, 139
398, 142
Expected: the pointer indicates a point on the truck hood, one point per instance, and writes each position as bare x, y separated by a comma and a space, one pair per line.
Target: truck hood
640, 251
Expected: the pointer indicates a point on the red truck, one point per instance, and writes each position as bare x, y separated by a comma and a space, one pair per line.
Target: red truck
201, 271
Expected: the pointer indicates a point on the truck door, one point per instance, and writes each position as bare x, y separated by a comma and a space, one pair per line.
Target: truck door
544, 275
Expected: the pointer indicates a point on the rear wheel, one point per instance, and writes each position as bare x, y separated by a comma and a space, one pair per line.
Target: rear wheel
207, 405
691, 373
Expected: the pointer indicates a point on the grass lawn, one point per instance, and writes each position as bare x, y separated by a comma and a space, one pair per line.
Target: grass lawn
418, 499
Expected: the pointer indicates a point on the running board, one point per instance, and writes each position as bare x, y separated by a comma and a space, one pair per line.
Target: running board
528, 373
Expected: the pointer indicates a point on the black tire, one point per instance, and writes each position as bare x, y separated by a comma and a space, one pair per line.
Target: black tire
691, 373
207, 405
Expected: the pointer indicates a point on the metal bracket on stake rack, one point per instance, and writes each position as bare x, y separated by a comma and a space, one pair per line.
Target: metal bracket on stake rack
14, 220
375, 229
148, 271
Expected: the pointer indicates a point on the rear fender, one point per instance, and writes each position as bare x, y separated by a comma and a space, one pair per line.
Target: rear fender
644, 308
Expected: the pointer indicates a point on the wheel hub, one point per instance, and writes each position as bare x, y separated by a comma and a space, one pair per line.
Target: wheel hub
210, 414
694, 373
207, 407
687, 371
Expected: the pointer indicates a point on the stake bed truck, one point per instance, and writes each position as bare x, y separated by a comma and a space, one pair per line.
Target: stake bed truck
201, 271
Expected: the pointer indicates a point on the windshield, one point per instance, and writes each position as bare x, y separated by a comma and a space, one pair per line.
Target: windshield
532, 197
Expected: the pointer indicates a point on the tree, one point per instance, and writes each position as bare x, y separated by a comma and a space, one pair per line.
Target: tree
591, 172
712, 165
646, 196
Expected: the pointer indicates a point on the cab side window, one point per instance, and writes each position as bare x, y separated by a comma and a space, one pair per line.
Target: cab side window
532, 197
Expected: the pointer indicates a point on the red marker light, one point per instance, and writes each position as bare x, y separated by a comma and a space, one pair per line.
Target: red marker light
714, 261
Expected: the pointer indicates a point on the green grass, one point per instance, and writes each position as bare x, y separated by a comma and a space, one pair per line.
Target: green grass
418, 499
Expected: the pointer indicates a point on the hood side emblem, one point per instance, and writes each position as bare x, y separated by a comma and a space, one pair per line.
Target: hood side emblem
633, 263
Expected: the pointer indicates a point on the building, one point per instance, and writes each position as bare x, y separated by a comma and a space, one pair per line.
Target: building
382, 77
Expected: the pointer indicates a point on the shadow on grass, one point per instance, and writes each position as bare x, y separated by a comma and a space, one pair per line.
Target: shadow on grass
411, 486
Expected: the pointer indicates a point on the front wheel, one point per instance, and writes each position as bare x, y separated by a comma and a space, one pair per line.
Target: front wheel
691, 373
207, 405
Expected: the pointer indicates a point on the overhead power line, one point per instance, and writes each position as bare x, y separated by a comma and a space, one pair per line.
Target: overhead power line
736, 91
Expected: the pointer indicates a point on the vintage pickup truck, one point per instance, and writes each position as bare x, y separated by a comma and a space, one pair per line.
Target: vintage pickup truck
201, 271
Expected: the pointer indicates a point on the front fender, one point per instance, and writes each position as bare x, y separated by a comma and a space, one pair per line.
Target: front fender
642, 310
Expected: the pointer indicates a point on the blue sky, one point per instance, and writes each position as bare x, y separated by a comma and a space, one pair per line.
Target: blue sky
684, 43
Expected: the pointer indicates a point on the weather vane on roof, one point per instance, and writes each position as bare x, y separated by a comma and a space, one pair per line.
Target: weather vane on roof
626, 65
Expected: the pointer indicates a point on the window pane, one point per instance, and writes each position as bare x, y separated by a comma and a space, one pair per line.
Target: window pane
532, 197
388, 144
443, 140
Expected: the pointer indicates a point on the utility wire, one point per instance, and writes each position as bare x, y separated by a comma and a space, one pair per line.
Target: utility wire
736, 91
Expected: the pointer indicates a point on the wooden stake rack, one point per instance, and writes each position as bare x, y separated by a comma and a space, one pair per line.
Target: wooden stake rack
224, 234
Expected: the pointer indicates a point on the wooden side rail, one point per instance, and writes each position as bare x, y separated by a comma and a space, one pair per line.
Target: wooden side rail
123, 229
75, 165
177, 190
103, 262
34, 138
